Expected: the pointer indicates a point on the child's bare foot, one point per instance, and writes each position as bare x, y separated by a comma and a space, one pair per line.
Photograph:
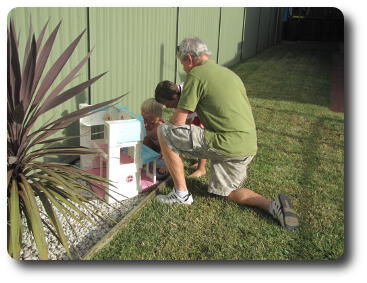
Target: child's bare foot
195, 165
198, 173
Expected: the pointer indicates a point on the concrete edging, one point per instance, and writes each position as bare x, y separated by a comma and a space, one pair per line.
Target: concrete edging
123, 223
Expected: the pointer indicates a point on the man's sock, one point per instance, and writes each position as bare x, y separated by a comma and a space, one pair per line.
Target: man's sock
181, 194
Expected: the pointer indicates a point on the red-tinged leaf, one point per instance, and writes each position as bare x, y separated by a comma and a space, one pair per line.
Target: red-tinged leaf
70, 93
71, 76
41, 35
28, 45
28, 76
52, 101
65, 121
60, 99
10, 76
15, 65
55, 70
42, 60
18, 114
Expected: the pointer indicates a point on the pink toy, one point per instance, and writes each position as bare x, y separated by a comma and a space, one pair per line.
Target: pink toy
121, 158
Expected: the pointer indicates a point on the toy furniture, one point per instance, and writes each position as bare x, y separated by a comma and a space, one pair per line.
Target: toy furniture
117, 135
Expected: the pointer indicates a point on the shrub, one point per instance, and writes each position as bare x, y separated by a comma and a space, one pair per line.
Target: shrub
33, 182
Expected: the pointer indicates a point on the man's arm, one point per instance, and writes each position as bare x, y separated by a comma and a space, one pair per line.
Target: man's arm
179, 117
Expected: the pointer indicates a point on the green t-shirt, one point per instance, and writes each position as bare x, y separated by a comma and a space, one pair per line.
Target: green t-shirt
219, 98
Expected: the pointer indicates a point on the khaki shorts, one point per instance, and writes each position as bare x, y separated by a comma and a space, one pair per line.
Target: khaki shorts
226, 173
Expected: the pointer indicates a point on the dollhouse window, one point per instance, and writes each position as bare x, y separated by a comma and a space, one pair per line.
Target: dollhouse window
127, 155
97, 132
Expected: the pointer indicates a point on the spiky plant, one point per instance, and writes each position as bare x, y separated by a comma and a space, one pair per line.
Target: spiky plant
33, 183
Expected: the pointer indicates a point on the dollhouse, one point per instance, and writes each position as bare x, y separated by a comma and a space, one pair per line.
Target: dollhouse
117, 135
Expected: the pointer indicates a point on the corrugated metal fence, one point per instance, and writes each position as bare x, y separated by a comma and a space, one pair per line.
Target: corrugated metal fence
137, 45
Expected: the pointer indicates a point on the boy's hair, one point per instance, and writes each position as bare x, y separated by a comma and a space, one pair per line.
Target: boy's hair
152, 107
165, 91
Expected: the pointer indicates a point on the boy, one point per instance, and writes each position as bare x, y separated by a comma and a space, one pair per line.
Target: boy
168, 93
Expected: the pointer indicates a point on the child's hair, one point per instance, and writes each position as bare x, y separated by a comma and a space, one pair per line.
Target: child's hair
151, 106
165, 90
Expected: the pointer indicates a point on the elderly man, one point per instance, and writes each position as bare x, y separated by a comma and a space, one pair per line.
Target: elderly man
229, 140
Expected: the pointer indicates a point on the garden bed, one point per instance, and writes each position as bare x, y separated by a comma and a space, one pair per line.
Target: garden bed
84, 241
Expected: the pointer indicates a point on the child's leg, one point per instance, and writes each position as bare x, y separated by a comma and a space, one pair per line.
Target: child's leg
200, 171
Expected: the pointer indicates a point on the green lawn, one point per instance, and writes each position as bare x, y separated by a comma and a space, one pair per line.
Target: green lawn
301, 153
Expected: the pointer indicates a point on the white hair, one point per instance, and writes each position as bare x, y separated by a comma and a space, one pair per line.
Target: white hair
152, 107
193, 46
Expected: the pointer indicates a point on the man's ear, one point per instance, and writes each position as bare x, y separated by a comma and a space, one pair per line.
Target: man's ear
188, 59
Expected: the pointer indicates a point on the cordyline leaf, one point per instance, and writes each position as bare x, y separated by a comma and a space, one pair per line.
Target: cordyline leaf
69, 193
77, 172
10, 75
62, 151
10, 174
18, 114
54, 71
55, 140
41, 63
32, 211
41, 35
28, 77
15, 222
59, 181
65, 121
85, 189
15, 66
70, 93
61, 123
53, 219
56, 199
43, 153
28, 44
51, 102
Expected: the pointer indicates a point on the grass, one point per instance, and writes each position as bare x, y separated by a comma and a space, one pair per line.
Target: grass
301, 153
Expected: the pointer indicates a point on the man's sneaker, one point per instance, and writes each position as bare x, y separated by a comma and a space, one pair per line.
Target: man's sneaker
173, 198
282, 209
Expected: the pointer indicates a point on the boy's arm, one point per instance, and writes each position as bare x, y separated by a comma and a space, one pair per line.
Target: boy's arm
179, 117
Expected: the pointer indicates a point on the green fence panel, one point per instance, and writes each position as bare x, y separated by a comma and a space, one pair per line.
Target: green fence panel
136, 45
251, 32
231, 33
74, 21
198, 22
273, 28
137, 48
264, 24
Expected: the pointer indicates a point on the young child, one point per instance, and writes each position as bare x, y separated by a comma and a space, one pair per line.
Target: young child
168, 94
151, 111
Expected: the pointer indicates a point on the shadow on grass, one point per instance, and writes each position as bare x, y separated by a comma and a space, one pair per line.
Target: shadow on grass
196, 186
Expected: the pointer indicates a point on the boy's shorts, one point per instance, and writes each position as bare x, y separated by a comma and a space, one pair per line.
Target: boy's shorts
227, 173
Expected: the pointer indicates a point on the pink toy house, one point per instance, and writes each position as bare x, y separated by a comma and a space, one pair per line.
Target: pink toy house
117, 134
